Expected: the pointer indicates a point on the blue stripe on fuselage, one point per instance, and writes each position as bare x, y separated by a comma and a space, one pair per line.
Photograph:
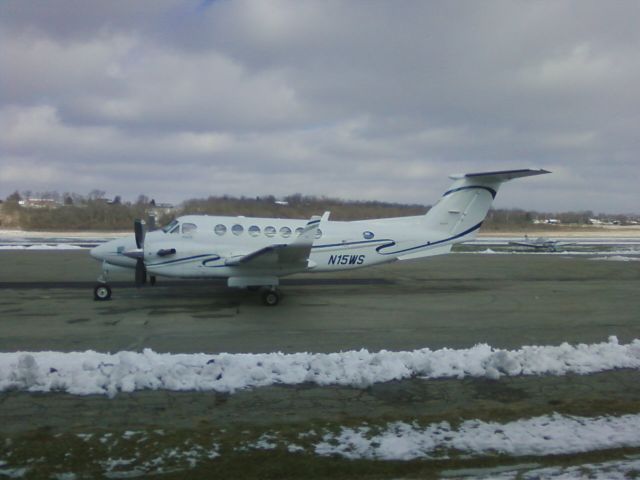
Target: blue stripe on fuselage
428, 244
470, 187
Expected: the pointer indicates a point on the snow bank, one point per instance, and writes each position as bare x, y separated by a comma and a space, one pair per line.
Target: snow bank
612, 470
540, 436
42, 246
85, 373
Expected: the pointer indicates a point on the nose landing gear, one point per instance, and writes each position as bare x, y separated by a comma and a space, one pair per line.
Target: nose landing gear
102, 292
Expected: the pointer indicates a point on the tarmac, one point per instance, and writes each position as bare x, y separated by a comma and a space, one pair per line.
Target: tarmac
455, 301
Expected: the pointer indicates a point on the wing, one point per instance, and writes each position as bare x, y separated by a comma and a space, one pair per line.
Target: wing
285, 255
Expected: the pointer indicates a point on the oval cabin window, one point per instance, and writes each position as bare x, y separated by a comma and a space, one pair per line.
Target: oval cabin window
285, 232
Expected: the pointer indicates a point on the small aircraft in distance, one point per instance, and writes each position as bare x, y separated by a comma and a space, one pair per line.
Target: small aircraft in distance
543, 244
257, 252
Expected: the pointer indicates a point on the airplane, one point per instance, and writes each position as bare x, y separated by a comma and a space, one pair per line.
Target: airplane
257, 252
542, 244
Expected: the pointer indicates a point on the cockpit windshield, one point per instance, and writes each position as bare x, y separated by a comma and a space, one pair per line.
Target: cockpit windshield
169, 227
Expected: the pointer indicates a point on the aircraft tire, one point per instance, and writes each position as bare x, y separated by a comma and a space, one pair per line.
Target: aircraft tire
152, 280
270, 297
102, 292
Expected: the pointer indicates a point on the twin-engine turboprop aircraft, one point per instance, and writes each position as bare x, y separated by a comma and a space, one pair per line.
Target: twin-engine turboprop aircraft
256, 252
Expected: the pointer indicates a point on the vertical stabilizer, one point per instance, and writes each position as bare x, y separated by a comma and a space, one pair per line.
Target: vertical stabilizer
463, 207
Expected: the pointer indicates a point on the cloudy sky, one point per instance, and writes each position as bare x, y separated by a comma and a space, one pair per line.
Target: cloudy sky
358, 100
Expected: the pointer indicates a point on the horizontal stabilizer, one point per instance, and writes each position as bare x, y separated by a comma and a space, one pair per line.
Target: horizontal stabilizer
500, 176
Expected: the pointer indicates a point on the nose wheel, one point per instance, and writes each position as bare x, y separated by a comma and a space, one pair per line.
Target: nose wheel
271, 297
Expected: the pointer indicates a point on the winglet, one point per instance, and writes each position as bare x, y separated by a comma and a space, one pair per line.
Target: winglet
310, 230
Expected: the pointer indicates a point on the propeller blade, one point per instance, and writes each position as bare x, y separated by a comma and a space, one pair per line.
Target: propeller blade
141, 272
140, 231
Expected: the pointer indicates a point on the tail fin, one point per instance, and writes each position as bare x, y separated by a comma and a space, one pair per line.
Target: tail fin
463, 207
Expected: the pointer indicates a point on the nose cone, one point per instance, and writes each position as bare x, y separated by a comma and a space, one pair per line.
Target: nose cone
113, 252
99, 252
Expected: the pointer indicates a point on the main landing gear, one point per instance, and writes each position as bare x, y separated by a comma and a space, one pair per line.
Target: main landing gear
271, 296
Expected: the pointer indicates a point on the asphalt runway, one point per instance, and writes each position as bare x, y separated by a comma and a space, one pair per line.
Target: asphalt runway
451, 301
455, 301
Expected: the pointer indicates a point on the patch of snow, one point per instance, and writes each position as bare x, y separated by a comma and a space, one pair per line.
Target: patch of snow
617, 258
612, 470
293, 448
89, 372
13, 472
540, 436
64, 476
42, 246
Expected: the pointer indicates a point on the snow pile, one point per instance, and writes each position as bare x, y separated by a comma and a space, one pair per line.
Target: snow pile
42, 246
90, 372
546, 435
617, 258
613, 470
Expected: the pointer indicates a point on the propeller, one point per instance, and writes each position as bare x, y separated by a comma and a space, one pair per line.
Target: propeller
140, 231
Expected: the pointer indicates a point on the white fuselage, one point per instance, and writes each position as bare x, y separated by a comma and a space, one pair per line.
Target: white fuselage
204, 250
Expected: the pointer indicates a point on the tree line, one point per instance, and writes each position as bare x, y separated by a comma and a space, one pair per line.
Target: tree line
71, 211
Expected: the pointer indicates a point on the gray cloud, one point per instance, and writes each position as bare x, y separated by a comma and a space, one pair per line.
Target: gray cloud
350, 99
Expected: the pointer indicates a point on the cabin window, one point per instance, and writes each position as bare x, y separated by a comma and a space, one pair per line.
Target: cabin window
299, 231
167, 228
237, 229
285, 232
220, 229
367, 235
254, 230
319, 233
270, 231
189, 228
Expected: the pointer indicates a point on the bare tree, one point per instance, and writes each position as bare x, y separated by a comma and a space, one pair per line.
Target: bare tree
96, 194
14, 197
